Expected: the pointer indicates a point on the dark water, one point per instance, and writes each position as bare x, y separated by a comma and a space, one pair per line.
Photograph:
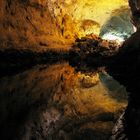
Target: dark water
55, 102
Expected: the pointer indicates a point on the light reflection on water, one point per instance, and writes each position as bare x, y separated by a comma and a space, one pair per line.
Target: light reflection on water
57, 97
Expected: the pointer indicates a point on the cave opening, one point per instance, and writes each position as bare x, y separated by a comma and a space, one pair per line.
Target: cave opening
119, 26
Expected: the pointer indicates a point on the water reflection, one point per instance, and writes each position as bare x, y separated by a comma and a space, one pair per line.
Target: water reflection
56, 102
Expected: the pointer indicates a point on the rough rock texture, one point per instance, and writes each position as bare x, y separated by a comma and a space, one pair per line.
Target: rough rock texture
118, 25
123, 64
28, 24
91, 52
135, 9
41, 24
132, 113
33, 109
130, 56
55, 102
86, 16
118, 132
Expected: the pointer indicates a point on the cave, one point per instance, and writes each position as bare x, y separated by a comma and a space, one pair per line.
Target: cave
69, 70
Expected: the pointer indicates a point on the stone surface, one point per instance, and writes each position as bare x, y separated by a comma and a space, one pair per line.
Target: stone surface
41, 110
118, 26
49, 102
41, 24
123, 64
85, 13
28, 25
135, 9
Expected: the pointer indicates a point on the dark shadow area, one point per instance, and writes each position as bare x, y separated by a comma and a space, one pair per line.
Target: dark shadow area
14, 61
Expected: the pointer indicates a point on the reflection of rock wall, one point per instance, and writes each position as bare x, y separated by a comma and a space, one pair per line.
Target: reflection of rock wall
55, 102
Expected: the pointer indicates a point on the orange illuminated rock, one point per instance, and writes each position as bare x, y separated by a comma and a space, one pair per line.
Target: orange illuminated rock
28, 25
40, 2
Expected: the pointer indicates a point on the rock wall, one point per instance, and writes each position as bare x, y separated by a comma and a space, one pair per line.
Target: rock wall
132, 114
135, 8
28, 24
41, 24
119, 25
86, 16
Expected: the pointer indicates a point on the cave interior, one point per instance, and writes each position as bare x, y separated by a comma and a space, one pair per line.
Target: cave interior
69, 70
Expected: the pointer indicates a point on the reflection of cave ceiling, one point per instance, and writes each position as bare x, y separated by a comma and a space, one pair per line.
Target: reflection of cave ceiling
80, 11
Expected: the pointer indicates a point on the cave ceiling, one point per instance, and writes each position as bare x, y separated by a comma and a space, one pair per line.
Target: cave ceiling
88, 15
41, 24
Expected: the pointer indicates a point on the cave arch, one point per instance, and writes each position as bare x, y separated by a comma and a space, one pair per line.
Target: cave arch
118, 26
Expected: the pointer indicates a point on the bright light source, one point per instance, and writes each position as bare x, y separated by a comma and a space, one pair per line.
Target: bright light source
112, 37
134, 29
